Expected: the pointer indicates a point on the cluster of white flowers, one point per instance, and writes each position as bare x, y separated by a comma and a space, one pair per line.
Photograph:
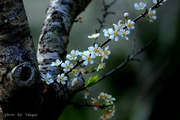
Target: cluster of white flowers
107, 107
61, 78
140, 6
108, 98
87, 56
109, 114
74, 81
47, 78
108, 101
155, 1
151, 13
94, 36
119, 29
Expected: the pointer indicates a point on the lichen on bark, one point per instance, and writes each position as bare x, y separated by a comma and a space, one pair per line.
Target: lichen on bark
21, 88
53, 40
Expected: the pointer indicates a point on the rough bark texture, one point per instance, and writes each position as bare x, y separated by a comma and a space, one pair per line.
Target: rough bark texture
53, 41
20, 84
18, 63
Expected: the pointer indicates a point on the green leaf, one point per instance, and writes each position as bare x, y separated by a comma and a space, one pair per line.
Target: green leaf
92, 80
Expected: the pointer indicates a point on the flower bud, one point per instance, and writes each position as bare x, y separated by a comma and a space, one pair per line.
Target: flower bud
80, 19
150, 20
126, 15
120, 21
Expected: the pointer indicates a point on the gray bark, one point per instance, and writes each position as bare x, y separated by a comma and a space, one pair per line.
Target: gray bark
21, 88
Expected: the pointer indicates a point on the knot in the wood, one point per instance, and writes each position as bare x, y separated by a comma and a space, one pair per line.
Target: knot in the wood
24, 74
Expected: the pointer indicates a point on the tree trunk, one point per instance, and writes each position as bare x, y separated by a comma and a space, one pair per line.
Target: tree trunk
21, 88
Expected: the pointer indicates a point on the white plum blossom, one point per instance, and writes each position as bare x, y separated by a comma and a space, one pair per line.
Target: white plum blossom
94, 36
57, 63
105, 117
106, 32
124, 33
108, 114
73, 55
94, 50
101, 95
80, 53
150, 20
139, 6
74, 81
113, 110
130, 24
67, 66
119, 26
114, 34
155, 1
82, 70
95, 102
101, 66
105, 53
110, 99
86, 94
75, 72
88, 57
61, 78
47, 78
152, 14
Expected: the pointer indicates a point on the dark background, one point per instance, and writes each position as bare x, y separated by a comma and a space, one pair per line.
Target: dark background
146, 90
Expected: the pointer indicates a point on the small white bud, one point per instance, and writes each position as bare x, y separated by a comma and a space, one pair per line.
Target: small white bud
120, 21
126, 15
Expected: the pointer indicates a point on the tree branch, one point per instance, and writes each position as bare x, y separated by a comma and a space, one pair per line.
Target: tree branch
19, 75
103, 20
78, 105
106, 7
125, 62
143, 14
134, 41
53, 41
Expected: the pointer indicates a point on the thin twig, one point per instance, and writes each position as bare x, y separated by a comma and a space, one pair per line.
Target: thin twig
143, 14
78, 105
129, 59
137, 18
106, 7
105, 42
134, 41
81, 61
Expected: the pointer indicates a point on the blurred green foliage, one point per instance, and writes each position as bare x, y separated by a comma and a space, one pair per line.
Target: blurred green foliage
146, 90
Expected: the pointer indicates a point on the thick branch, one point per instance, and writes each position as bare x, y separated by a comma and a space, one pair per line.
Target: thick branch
18, 63
55, 32
53, 41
